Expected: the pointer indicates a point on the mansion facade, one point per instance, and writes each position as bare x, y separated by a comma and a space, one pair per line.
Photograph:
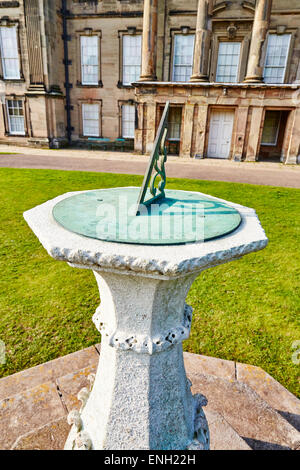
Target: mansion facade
74, 71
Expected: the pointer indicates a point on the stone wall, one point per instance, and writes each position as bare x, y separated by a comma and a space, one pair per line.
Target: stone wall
249, 103
43, 84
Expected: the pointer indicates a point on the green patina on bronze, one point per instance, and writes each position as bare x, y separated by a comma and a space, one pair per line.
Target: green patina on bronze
157, 161
180, 217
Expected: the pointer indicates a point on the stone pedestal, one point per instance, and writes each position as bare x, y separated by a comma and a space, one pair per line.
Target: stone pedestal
141, 397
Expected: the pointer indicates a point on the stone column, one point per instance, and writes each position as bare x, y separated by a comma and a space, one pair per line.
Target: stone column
259, 32
148, 69
202, 41
35, 48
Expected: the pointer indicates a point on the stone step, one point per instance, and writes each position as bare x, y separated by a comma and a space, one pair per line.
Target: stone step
222, 435
27, 411
47, 372
39, 406
53, 435
271, 391
246, 407
262, 427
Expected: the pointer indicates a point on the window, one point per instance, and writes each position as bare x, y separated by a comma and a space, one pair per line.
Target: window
228, 62
183, 57
89, 60
276, 58
90, 120
132, 46
271, 128
174, 123
9, 52
128, 121
15, 115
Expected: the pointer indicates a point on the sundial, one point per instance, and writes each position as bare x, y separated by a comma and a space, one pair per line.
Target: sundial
150, 215
141, 398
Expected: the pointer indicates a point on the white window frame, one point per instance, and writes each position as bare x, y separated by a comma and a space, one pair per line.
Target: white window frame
187, 67
274, 144
277, 66
85, 132
132, 60
128, 135
5, 56
84, 57
222, 43
17, 116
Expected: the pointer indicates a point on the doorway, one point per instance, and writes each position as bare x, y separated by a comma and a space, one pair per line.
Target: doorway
271, 147
220, 133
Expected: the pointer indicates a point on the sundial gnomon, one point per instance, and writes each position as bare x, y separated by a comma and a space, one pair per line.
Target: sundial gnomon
150, 215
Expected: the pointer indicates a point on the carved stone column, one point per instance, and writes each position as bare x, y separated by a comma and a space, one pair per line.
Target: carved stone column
35, 50
149, 44
202, 41
259, 33
141, 357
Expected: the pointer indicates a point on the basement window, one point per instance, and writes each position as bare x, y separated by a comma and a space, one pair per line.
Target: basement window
15, 113
271, 128
90, 120
128, 121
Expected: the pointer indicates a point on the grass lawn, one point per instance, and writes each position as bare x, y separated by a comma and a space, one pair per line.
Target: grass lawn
247, 310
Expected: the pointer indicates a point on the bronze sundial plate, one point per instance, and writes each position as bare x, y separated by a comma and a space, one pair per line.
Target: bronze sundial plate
181, 217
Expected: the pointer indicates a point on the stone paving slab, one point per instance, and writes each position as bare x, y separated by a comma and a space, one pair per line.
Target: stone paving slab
28, 410
240, 410
271, 391
222, 435
250, 416
48, 371
196, 364
70, 384
52, 436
